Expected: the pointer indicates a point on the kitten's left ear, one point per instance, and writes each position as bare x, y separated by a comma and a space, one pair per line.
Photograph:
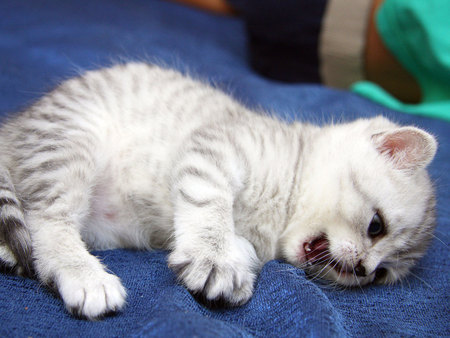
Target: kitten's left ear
408, 148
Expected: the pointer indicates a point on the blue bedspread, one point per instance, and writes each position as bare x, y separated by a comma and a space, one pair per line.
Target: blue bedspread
43, 42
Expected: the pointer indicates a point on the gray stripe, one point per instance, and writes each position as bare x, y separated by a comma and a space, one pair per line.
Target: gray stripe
53, 165
9, 201
56, 134
45, 149
206, 135
53, 118
196, 172
207, 152
40, 191
19, 241
191, 200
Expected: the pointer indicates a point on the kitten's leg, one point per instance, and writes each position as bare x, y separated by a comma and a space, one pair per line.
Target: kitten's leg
208, 256
62, 261
15, 241
57, 199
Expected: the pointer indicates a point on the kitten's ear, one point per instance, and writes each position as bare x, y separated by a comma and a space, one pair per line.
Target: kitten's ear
408, 148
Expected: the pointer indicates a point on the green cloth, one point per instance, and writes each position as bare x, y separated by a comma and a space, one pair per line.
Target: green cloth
417, 32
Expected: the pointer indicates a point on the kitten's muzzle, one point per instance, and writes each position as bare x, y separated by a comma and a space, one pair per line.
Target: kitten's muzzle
317, 253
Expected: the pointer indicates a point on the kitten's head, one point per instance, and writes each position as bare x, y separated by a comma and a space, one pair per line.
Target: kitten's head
365, 207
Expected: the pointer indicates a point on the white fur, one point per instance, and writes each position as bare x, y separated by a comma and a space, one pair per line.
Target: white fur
163, 161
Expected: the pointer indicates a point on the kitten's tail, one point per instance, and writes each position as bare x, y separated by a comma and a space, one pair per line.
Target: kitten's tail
15, 239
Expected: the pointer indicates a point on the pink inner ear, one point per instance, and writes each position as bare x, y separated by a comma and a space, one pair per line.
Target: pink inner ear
393, 145
404, 151
408, 148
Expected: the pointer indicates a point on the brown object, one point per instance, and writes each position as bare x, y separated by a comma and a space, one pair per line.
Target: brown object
217, 6
383, 68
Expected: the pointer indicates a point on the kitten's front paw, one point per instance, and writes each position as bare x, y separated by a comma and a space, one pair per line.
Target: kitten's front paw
228, 275
91, 295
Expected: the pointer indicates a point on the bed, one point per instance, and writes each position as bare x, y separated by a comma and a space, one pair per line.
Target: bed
44, 42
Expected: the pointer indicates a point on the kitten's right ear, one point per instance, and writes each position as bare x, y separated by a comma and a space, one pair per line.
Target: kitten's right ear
408, 148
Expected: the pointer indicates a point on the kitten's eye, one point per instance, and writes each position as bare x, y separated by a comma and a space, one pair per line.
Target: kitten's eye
376, 227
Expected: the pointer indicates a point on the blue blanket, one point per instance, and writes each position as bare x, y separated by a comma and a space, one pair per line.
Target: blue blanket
43, 42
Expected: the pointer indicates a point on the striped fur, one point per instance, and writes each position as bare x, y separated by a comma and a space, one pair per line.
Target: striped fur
17, 254
137, 156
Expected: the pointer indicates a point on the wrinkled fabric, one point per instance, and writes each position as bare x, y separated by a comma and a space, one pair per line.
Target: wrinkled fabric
43, 42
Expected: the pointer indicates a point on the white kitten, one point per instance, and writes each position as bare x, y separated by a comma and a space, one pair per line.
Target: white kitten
137, 156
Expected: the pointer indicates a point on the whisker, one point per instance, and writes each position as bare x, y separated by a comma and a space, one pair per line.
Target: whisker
423, 281
324, 256
427, 269
334, 267
319, 274
440, 240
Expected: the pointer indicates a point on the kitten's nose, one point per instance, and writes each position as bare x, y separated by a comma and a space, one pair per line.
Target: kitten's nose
360, 270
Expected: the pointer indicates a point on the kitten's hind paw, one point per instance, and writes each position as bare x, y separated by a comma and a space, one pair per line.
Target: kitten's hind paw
228, 276
9, 264
91, 295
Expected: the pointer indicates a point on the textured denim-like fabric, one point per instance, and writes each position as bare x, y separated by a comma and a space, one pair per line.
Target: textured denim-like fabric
43, 42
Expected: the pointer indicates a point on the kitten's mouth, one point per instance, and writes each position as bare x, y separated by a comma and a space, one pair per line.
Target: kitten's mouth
316, 252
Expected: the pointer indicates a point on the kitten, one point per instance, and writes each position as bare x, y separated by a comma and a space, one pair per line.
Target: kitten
137, 156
